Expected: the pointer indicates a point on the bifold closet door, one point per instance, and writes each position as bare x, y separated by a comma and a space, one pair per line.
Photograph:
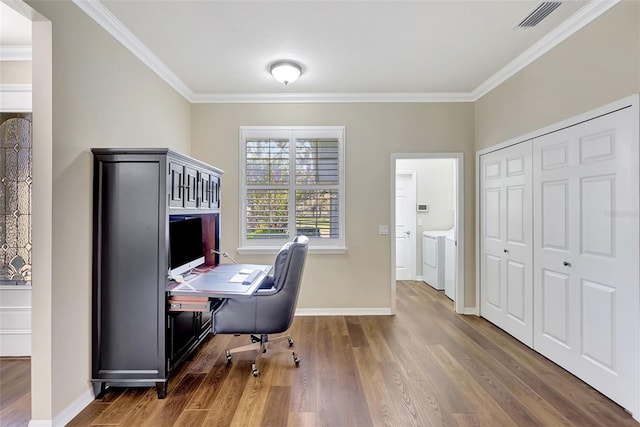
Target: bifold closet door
586, 252
506, 242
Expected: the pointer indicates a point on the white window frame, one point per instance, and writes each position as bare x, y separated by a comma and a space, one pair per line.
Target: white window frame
316, 244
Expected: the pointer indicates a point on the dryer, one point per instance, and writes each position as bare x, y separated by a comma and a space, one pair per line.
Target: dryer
433, 258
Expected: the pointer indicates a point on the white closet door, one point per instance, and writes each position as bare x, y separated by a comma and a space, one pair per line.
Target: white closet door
506, 244
586, 252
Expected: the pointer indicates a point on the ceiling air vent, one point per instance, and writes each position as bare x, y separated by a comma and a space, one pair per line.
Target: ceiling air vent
541, 11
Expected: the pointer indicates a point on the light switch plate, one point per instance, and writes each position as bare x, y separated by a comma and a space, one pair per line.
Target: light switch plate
383, 229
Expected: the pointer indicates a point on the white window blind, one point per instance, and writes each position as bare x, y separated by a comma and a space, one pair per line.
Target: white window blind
292, 183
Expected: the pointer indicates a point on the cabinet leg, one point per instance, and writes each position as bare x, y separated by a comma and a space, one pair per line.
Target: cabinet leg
98, 389
161, 388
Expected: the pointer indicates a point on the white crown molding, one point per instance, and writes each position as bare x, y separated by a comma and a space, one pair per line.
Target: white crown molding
113, 26
15, 53
261, 98
15, 98
573, 24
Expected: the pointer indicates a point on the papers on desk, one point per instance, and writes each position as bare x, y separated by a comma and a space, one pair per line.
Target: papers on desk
239, 278
245, 279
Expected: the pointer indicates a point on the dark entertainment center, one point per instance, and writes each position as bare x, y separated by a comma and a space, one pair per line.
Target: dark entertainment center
137, 193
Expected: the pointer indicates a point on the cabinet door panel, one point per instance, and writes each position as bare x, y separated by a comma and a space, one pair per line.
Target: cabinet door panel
182, 333
204, 190
176, 185
129, 266
191, 187
215, 191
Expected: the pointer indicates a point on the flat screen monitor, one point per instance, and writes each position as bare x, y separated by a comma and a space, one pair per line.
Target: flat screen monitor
186, 248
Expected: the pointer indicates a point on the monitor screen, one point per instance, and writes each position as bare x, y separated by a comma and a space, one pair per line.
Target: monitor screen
186, 248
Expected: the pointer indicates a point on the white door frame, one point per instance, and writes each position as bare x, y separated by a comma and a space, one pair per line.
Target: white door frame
413, 215
458, 221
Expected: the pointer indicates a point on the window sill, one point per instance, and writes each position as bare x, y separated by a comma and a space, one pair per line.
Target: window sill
328, 250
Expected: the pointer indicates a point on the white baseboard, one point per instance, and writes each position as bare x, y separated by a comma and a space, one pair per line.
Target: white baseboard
384, 311
68, 413
471, 310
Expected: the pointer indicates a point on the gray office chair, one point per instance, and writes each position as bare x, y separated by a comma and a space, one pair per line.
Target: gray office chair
270, 310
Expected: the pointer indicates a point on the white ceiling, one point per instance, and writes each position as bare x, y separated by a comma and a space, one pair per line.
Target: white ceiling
220, 51
15, 35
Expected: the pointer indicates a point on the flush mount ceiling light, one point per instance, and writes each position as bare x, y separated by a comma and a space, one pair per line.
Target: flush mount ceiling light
286, 72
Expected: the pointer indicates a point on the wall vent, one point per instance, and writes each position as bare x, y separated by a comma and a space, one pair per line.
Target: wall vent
541, 11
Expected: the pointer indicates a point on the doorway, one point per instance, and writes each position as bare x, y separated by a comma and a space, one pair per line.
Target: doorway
427, 206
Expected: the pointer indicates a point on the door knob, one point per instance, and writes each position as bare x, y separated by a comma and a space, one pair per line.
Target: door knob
408, 232
505, 251
566, 264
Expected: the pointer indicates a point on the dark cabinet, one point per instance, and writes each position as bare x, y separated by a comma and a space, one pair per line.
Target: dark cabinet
192, 187
136, 340
185, 331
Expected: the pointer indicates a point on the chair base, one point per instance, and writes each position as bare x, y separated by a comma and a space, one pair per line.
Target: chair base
260, 344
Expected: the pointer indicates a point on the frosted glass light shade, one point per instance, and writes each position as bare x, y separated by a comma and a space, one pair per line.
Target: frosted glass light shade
286, 72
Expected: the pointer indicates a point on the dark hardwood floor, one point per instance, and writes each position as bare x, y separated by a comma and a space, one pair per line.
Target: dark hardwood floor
15, 391
425, 366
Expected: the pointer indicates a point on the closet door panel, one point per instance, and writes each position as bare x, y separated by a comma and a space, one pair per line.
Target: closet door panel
553, 318
598, 317
586, 252
516, 291
555, 219
597, 236
506, 240
493, 236
493, 284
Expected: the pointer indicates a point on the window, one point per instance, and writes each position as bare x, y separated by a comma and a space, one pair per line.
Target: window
16, 149
292, 182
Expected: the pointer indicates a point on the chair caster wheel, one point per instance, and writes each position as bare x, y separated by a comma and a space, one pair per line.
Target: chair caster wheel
290, 342
229, 357
296, 359
255, 372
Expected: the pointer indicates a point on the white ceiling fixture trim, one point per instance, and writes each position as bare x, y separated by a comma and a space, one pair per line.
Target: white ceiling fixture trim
15, 53
113, 26
573, 24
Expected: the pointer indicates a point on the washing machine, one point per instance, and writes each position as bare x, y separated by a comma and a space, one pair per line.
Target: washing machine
433, 257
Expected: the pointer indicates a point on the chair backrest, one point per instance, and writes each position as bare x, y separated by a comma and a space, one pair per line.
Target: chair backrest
269, 310
288, 279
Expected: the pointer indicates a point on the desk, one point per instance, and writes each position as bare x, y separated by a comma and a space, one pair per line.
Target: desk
215, 283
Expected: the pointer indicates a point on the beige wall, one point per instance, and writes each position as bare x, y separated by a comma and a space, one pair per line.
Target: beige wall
102, 96
434, 186
362, 277
15, 72
597, 65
